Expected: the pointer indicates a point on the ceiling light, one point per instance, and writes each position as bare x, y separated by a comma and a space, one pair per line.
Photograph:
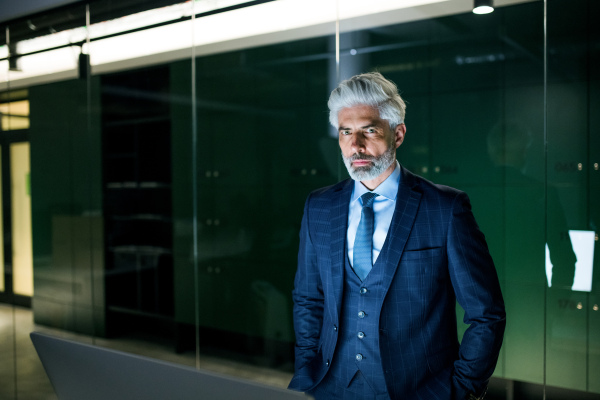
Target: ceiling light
483, 6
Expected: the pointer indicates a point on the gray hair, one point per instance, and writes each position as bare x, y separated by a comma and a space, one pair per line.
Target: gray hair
370, 89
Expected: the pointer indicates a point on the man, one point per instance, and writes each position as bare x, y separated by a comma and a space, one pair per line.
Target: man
383, 258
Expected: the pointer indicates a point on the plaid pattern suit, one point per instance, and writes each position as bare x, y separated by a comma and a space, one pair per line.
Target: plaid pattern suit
434, 254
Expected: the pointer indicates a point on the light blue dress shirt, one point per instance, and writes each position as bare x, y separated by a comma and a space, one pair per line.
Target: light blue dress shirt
383, 208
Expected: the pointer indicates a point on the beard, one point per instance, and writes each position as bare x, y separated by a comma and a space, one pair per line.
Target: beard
369, 172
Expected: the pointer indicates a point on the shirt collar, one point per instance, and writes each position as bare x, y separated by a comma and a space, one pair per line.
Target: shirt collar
387, 188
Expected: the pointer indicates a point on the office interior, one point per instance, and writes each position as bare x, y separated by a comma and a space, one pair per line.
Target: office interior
156, 155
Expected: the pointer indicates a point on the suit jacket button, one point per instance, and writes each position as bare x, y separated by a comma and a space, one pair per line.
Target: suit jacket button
359, 357
361, 314
327, 363
335, 328
363, 290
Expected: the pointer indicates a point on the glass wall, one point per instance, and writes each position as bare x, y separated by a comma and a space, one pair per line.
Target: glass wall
572, 329
171, 151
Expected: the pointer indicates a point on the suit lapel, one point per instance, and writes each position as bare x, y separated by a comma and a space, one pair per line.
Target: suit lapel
407, 205
338, 229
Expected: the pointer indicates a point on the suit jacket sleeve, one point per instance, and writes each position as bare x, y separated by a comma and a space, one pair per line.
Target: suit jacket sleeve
308, 307
477, 290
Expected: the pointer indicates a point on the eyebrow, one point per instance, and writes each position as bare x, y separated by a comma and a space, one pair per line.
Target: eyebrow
343, 128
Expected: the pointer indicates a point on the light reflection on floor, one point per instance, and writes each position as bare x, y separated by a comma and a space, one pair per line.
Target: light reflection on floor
31, 383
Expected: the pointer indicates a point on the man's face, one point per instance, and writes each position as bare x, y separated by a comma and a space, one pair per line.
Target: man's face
368, 144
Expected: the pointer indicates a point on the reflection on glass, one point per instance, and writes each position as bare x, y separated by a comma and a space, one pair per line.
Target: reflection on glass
583, 246
508, 147
52, 61
125, 38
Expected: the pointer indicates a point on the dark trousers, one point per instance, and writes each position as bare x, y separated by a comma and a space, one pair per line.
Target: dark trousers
359, 389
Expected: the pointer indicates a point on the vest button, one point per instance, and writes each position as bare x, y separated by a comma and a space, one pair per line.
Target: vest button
363, 290
327, 363
335, 328
359, 357
361, 335
361, 314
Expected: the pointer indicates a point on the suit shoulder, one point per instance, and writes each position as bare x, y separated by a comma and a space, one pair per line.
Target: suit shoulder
327, 192
321, 201
433, 191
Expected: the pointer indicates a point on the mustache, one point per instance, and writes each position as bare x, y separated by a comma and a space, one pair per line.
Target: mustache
360, 156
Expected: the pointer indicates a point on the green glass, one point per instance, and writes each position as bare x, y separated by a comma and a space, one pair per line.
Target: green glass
262, 145
66, 202
570, 327
475, 121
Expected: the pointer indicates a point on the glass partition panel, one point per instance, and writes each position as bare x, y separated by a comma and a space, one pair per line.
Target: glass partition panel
41, 286
474, 87
572, 170
65, 205
593, 304
7, 312
261, 145
129, 57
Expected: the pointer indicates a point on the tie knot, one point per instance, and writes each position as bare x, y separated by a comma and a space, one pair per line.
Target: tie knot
368, 198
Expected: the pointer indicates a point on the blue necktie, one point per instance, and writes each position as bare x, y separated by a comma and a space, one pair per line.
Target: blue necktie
363, 243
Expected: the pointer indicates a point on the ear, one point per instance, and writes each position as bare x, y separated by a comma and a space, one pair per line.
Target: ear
399, 133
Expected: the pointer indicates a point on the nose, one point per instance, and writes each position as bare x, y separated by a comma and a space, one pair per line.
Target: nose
358, 143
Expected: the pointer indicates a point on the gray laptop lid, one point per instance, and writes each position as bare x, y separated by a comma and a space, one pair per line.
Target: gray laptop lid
84, 372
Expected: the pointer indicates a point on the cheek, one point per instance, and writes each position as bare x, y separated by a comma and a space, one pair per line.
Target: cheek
344, 145
378, 147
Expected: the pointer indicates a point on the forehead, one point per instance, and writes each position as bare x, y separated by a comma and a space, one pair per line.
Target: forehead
360, 114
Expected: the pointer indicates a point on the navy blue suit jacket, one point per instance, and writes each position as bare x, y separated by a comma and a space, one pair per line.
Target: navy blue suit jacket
434, 254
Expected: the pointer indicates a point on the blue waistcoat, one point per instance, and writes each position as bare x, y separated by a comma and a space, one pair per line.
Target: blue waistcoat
358, 341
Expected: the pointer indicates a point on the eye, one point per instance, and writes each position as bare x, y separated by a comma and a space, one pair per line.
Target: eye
345, 133
371, 130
